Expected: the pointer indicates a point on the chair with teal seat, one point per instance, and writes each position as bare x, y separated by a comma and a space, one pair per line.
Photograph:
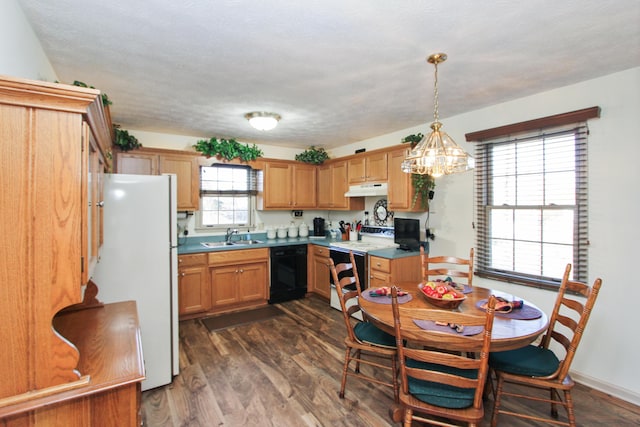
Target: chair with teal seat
538, 366
365, 343
442, 385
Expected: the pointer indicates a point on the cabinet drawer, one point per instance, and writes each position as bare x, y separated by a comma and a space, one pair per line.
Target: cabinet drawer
241, 256
193, 259
321, 251
381, 264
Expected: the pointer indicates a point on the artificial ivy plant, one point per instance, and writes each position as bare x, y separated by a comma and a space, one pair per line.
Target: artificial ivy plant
228, 149
413, 139
422, 183
313, 155
105, 98
125, 141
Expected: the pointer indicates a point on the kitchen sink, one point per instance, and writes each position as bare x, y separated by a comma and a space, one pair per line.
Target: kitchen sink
216, 244
235, 243
247, 242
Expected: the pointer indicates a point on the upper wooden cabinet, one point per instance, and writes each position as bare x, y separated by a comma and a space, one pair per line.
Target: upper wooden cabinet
156, 162
137, 163
368, 168
401, 191
332, 184
95, 164
286, 185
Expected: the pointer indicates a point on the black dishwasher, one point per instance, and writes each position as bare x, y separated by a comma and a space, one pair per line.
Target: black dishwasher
288, 273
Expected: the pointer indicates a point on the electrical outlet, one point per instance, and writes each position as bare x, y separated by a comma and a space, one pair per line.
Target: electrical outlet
296, 214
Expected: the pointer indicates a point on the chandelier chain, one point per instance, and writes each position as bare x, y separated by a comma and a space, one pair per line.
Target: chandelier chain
435, 94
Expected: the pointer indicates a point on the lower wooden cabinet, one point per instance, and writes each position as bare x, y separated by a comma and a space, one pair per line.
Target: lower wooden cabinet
194, 289
383, 271
239, 278
318, 271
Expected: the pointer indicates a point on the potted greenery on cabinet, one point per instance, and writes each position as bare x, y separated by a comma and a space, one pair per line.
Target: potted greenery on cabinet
124, 140
228, 149
313, 155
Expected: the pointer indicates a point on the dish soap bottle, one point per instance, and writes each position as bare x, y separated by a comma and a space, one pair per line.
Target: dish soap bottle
366, 218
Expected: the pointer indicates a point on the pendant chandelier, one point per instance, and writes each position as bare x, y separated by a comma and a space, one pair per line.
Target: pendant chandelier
436, 154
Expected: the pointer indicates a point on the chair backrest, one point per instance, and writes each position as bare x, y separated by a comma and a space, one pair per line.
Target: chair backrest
458, 347
345, 277
569, 319
439, 267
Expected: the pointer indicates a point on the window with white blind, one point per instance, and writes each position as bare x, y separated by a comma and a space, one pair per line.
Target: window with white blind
531, 202
225, 196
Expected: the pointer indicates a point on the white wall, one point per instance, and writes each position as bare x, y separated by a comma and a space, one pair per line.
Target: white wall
21, 53
607, 355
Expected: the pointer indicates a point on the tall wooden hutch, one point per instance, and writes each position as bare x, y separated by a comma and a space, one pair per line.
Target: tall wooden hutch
61, 366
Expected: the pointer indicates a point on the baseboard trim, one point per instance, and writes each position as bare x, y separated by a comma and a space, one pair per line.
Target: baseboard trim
605, 387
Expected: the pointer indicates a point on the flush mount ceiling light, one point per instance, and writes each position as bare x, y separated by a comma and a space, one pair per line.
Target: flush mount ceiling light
436, 154
262, 121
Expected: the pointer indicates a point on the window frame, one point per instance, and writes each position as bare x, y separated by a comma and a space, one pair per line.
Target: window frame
514, 133
249, 193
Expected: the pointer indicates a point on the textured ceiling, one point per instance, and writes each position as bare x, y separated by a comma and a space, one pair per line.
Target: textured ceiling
337, 71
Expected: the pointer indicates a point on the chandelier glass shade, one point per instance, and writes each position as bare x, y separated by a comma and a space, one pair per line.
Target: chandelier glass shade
263, 121
437, 153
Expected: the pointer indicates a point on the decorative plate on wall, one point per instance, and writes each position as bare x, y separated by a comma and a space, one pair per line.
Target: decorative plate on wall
380, 212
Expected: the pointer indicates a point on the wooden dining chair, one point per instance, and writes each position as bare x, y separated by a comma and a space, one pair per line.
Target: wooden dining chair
365, 343
440, 267
538, 366
436, 384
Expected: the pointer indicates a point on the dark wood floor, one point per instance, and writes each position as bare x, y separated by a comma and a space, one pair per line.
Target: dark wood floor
286, 371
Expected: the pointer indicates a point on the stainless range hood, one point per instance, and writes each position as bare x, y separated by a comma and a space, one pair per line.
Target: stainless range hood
362, 190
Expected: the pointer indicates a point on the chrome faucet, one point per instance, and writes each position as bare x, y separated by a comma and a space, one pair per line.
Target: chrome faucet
230, 232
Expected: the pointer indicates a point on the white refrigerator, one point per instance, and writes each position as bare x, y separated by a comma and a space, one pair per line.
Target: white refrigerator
139, 262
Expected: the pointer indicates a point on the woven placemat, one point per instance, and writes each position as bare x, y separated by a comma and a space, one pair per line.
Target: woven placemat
384, 299
430, 325
524, 313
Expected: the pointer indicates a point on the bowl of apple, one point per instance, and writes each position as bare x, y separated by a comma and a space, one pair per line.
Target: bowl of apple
441, 294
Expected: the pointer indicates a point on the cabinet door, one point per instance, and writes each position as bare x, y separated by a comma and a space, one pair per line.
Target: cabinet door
304, 186
378, 279
400, 194
252, 282
325, 186
376, 167
137, 163
277, 185
339, 186
193, 290
187, 172
94, 202
319, 271
356, 169
224, 285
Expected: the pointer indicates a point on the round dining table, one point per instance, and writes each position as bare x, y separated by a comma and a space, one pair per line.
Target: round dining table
508, 333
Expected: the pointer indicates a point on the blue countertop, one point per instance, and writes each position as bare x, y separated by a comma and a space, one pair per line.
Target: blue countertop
192, 245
